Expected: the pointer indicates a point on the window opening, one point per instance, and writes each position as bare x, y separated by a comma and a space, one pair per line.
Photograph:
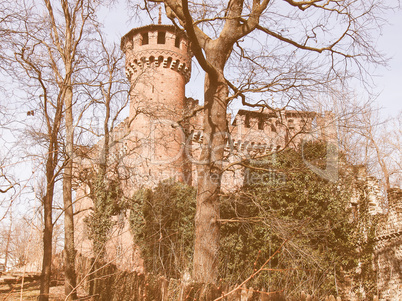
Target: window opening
161, 37
145, 39
291, 124
261, 124
247, 121
177, 42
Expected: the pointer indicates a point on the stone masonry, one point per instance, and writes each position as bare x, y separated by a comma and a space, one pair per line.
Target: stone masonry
388, 255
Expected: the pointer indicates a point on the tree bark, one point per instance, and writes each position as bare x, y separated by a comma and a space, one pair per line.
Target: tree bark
48, 230
69, 248
206, 248
8, 240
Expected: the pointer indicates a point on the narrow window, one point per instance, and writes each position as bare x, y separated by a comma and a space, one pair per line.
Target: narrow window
145, 39
161, 37
247, 121
177, 42
261, 124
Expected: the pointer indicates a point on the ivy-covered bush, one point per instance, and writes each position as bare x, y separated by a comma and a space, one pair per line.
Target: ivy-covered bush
162, 221
282, 200
108, 200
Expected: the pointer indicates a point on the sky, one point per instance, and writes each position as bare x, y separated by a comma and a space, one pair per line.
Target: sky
387, 80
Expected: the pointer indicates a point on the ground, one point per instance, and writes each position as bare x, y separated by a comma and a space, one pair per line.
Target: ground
31, 292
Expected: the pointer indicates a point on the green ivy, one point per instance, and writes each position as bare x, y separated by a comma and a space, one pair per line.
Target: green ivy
281, 200
162, 221
107, 198
313, 213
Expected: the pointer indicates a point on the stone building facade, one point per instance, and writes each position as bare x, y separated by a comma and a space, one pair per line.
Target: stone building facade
388, 254
163, 133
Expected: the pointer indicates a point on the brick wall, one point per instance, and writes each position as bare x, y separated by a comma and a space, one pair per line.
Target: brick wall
388, 254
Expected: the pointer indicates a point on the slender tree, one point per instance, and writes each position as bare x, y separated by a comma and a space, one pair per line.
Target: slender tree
375, 141
51, 105
101, 175
50, 48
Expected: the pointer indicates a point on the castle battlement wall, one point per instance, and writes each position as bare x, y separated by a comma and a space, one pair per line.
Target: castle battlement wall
156, 46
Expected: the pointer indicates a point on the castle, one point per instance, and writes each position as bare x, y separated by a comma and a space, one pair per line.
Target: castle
162, 137
164, 128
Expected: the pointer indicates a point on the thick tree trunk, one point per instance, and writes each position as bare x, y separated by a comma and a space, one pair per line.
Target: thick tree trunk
69, 248
206, 249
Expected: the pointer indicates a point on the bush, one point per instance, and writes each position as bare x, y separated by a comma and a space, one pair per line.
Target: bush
291, 203
162, 221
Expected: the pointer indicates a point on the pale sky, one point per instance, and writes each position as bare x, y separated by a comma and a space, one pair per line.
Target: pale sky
387, 81
390, 83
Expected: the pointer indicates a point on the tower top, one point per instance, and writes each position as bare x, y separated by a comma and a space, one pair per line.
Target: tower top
150, 28
157, 45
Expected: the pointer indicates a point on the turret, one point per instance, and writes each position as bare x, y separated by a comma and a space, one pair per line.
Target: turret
158, 66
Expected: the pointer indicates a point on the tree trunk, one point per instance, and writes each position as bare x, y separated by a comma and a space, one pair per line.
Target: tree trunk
8, 240
48, 230
69, 248
206, 248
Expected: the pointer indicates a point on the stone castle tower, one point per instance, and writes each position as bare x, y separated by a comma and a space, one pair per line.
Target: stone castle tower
158, 66
156, 143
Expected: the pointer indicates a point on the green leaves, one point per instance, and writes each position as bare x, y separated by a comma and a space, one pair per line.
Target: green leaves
162, 221
310, 211
325, 240
107, 197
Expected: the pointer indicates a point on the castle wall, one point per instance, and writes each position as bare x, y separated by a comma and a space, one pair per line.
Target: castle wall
151, 146
253, 134
388, 254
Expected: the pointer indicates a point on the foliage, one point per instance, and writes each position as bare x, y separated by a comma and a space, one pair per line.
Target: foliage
107, 197
294, 203
163, 224
281, 200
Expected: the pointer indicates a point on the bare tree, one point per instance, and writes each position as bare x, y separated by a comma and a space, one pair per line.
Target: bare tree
51, 105
21, 242
108, 95
66, 35
50, 51
250, 49
375, 141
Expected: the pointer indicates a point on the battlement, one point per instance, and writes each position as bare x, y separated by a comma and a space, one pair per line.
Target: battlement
391, 225
157, 46
269, 120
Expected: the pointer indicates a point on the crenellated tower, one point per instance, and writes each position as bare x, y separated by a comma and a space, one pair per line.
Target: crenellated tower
158, 65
